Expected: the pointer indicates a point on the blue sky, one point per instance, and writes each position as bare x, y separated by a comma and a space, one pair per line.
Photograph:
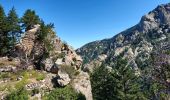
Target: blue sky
81, 21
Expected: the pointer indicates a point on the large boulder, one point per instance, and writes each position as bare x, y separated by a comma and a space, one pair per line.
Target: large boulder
59, 61
63, 78
48, 64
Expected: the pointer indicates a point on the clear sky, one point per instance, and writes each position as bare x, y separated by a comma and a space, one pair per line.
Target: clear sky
81, 21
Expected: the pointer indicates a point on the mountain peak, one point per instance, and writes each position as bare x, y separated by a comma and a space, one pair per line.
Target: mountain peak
159, 16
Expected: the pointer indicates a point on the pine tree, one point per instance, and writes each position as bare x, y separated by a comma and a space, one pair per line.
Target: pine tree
45, 35
102, 84
119, 83
4, 39
127, 86
13, 26
2, 19
30, 19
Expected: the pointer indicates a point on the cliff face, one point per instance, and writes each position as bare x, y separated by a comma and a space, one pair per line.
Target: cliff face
137, 42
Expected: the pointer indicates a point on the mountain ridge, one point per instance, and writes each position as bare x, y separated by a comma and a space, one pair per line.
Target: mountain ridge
152, 28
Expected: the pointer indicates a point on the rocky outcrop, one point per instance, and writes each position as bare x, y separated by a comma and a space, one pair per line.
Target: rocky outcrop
157, 17
48, 64
63, 78
32, 52
26, 44
82, 84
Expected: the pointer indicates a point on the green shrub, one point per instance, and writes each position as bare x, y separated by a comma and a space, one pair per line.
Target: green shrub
21, 83
40, 76
20, 94
4, 75
66, 93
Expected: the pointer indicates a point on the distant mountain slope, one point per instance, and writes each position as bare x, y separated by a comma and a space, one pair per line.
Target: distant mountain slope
137, 43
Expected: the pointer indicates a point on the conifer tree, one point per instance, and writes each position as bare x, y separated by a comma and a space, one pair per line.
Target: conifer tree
102, 84
2, 19
119, 83
30, 19
127, 86
45, 34
4, 40
13, 26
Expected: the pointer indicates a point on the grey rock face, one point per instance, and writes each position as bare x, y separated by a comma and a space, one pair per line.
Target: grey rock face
82, 84
137, 42
48, 63
63, 78
157, 17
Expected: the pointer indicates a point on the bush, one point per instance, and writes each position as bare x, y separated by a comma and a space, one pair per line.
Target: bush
21, 94
4, 75
40, 76
66, 93
21, 83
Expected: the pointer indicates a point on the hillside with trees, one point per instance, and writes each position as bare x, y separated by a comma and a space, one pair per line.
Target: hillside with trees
137, 60
35, 64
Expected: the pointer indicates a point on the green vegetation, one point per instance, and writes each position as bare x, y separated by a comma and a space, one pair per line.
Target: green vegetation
40, 76
30, 19
4, 39
102, 84
25, 79
11, 27
119, 83
20, 94
66, 93
45, 36
10, 30
4, 75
